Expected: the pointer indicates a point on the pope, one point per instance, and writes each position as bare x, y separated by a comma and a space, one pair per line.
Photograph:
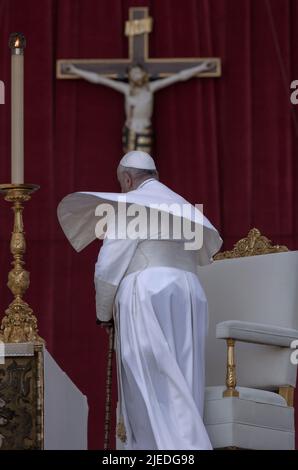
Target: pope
146, 283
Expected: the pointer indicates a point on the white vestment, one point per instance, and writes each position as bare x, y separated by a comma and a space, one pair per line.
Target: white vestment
160, 313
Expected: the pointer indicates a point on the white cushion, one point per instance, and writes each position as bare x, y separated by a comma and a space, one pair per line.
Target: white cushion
251, 394
258, 419
248, 437
256, 333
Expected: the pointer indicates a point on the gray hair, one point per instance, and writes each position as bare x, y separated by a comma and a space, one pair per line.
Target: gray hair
137, 173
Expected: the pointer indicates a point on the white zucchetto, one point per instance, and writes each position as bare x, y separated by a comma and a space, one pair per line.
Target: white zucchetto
138, 159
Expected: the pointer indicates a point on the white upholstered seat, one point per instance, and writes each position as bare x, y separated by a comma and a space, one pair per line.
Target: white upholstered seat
249, 394
253, 300
258, 419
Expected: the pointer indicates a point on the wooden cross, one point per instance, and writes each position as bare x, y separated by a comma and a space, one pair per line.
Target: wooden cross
137, 29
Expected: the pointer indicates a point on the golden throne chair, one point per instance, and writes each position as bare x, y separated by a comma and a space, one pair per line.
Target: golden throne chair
253, 304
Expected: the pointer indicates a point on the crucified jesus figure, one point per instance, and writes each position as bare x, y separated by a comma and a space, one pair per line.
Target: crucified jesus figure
138, 93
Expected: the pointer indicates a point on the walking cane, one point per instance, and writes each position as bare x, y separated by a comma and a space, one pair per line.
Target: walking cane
108, 405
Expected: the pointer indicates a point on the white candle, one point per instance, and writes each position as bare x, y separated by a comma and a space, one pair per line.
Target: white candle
17, 44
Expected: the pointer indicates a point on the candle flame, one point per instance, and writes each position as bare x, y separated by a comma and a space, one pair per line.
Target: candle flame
17, 43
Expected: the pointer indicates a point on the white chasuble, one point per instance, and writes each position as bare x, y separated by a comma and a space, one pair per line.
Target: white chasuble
151, 289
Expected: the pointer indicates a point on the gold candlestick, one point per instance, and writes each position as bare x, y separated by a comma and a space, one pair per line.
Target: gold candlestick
19, 324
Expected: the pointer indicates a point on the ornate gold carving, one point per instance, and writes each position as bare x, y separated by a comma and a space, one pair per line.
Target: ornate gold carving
19, 324
38, 348
134, 27
22, 397
288, 394
121, 431
253, 244
231, 371
18, 404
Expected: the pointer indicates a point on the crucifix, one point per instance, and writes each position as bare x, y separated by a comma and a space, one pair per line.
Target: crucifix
145, 76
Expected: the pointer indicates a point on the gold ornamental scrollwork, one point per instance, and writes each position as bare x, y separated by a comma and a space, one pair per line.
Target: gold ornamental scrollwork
121, 431
254, 244
22, 397
19, 324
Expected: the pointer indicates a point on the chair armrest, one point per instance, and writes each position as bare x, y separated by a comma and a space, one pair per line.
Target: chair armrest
256, 333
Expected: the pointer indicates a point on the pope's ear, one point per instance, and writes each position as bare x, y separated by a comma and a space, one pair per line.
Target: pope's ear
127, 178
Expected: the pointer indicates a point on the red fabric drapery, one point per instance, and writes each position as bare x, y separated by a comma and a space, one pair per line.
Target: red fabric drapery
230, 143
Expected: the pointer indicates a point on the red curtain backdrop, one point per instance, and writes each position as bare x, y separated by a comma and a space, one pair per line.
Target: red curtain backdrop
229, 142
